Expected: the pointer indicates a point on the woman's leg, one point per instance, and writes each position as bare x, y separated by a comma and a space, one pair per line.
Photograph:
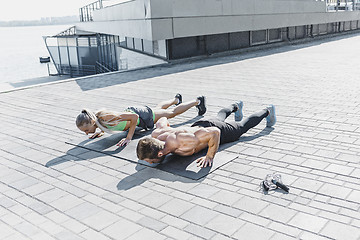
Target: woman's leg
177, 110
166, 104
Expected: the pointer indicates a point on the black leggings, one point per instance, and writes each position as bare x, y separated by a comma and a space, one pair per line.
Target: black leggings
232, 130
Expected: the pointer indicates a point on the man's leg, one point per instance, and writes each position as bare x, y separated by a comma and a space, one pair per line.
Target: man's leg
233, 108
225, 112
250, 122
232, 130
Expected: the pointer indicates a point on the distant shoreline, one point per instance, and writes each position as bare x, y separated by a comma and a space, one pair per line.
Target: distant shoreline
41, 22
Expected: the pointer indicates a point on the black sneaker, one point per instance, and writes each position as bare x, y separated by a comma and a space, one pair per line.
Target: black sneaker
201, 107
178, 96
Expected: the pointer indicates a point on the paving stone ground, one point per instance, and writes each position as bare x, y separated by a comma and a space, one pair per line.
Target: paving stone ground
315, 146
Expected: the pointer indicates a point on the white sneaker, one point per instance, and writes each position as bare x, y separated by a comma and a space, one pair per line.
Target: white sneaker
238, 114
271, 118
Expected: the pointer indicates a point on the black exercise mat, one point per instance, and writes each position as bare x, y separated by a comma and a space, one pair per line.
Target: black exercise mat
178, 165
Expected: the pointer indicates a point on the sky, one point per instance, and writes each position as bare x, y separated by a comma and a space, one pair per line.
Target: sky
35, 9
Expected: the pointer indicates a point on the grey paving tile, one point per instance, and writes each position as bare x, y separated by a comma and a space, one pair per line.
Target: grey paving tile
354, 196
226, 197
225, 224
175, 233
174, 221
67, 235
122, 229
284, 228
152, 223
252, 231
27, 229
176, 207
220, 237
334, 190
7, 202
340, 231
249, 204
308, 184
90, 234
42, 236
5, 230
199, 215
155, 199
66, 202
200, 231
278, 213
130, 215
74, 226
83, 210
146, 234
308, 222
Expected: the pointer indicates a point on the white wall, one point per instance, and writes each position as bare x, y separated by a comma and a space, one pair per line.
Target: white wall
167, 19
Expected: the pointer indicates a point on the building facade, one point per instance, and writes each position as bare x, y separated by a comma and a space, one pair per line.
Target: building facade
166, 30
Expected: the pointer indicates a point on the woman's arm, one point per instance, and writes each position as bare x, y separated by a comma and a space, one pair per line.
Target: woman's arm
132, 118
96, 135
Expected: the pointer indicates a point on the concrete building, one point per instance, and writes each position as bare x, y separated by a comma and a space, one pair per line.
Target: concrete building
177, 29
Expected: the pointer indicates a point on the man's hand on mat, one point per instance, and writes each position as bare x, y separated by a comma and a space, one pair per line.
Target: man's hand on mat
204, 161
123, 142
98, 134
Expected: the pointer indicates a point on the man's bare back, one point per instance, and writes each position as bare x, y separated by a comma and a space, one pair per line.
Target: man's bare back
186, 141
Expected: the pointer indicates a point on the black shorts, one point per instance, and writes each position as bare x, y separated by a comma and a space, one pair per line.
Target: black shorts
146, 116
229, 132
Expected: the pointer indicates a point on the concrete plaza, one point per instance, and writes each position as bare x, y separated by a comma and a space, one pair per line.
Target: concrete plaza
315, 146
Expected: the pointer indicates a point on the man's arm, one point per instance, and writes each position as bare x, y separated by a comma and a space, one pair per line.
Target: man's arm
212, 137
162, 126
162, 123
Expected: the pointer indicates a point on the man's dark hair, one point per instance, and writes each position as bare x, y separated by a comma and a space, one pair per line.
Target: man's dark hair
148, 148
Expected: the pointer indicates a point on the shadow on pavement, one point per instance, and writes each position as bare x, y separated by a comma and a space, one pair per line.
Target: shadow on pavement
95, 82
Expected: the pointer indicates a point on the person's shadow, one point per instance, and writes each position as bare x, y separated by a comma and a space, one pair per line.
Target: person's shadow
172, 164
104, 145
180, 164
144, 173
93, 148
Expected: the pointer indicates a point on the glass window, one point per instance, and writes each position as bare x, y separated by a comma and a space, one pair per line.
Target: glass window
148, 46
162, 48
275, 34
258, 37
129, 42
138, 44
122, 41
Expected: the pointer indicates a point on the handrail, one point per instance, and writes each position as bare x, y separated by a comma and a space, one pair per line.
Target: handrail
76, 70
68, 32
101, 68
86, 12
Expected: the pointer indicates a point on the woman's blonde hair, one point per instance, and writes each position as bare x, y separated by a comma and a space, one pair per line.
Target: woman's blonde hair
86, 116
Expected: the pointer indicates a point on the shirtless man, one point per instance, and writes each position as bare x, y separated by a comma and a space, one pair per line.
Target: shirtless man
186, 141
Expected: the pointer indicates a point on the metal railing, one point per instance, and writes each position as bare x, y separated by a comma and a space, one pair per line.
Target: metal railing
68, 32
342, 5
75, 70
86, 12
101, 68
